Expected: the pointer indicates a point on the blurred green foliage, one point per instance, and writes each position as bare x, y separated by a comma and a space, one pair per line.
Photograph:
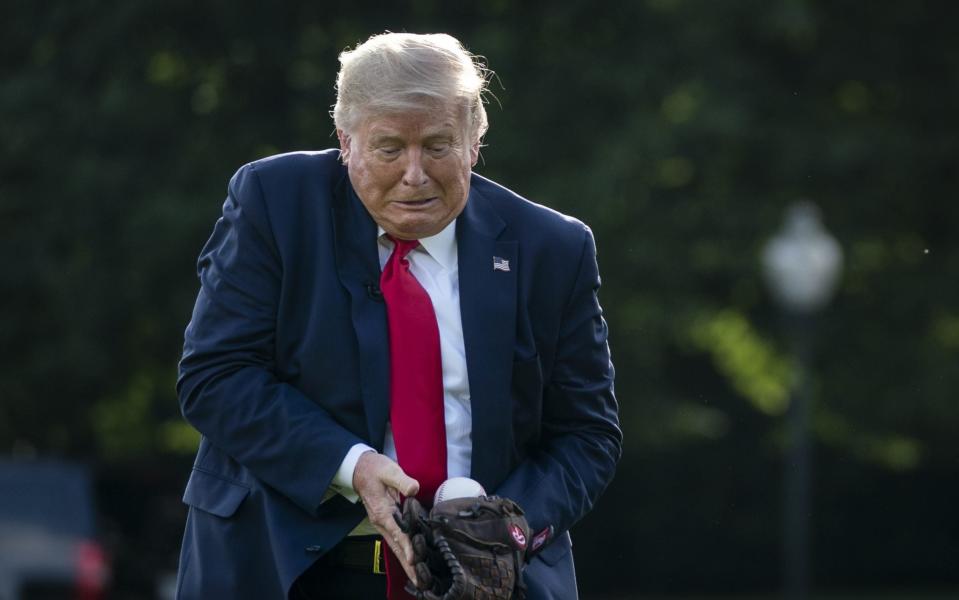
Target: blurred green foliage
678, 129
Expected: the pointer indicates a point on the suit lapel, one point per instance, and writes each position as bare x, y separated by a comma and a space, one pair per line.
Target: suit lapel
358, 267
488, 310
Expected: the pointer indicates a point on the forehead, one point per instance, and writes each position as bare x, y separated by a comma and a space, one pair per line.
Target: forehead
415, 123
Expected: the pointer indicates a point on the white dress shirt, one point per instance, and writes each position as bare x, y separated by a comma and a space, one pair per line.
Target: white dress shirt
434, 265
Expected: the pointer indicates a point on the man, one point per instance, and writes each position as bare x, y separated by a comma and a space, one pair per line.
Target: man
374, 320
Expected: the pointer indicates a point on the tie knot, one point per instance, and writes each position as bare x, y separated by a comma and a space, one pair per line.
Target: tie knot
403, 247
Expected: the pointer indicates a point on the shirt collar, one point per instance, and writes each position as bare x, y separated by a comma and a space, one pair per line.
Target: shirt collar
442, 246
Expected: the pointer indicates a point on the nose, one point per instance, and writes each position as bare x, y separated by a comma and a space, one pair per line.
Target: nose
414, 175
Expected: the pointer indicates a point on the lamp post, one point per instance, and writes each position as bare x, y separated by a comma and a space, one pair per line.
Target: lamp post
802, 264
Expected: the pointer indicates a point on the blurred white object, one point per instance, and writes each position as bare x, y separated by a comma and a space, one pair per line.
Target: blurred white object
802, 262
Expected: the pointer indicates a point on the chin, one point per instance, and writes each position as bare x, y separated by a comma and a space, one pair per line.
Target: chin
415, 234
417, 230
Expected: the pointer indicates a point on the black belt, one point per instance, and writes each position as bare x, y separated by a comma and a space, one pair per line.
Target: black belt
366, 553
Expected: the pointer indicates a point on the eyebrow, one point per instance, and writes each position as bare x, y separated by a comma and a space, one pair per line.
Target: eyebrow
384, 138
445, 131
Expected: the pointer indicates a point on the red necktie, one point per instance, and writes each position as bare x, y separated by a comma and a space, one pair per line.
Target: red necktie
416, 387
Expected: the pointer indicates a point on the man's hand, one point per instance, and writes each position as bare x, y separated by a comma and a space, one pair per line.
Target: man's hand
379, 481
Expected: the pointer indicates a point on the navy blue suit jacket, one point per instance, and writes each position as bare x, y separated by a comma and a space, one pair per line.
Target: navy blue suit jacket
285, 367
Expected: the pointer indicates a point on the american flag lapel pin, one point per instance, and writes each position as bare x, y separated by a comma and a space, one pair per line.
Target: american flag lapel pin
500, 264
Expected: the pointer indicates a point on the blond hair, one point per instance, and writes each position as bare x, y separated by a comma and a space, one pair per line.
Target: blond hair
401, 72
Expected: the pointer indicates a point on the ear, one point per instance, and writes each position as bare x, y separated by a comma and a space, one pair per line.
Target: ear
344, 145
474, 153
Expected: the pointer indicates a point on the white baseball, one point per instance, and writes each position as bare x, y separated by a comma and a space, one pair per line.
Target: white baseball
458, 487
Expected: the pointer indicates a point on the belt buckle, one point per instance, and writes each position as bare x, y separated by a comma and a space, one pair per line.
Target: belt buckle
379, 566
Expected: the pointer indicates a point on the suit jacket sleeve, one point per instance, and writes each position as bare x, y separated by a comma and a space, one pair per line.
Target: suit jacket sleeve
581, 442
227, 385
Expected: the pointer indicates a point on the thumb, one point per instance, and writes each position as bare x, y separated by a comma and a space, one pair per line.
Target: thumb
402, 482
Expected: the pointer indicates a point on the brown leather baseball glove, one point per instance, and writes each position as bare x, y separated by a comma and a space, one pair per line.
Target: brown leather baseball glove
467, 548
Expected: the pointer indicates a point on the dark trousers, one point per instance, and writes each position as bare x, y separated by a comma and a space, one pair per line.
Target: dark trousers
335, 577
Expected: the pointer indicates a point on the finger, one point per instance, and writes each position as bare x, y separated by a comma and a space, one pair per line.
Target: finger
407, 546
390, 526
401, 482
380, 511
401, 548
394, 495
411, 573
400, 544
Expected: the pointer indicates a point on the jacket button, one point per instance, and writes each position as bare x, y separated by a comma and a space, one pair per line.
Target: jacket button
314, 548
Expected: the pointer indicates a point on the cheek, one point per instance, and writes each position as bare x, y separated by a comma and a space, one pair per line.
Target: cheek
462, 178
367, 181
383, 177
452, 175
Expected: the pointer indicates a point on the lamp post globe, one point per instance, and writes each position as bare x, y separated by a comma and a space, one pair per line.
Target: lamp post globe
802, 262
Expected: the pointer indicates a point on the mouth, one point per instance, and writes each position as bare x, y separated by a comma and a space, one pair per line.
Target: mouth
416, 203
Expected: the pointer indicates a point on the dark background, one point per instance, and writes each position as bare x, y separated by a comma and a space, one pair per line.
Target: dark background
678, 129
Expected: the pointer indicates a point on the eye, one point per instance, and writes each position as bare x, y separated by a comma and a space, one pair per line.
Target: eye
438, 147
388, 151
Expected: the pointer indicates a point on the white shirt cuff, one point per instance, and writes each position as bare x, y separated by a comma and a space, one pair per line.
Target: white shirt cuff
343, 480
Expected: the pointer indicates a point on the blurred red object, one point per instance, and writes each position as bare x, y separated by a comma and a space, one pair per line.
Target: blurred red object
93, 571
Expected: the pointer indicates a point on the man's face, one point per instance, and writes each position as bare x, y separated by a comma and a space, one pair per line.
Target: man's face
411, 170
